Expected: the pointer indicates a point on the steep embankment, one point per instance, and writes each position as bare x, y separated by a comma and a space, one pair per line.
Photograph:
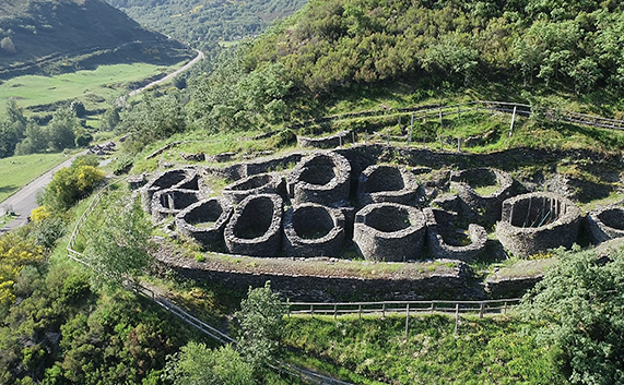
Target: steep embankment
61, 35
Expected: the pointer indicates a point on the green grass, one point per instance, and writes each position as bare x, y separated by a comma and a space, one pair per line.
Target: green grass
493, 350
17, 171
93, 88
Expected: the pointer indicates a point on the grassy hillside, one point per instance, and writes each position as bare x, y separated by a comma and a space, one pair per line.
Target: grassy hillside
61, 35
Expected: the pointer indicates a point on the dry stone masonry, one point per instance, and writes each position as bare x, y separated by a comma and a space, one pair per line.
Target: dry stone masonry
313, 230
256, 226
389, 232
535, 222
605, 223
299, 205
482, 192
447, 239
382, 183
323, 178
205, 221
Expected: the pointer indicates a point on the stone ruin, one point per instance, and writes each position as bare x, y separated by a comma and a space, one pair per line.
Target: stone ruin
389, 232
485, 207
271, 183
448, 239
205, 221
323, 178
256, 226
306, 211
313, 230
533, 223
605, 223
382, 183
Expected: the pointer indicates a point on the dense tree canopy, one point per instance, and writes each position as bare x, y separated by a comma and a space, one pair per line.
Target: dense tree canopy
580, 302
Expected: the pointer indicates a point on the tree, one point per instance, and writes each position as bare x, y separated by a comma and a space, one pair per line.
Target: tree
7, 45
71, 184
580, 302
35, 141
119, 239
196, 364
61, 129
261, 319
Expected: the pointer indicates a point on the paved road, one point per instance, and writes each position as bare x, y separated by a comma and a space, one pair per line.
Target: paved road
25, 200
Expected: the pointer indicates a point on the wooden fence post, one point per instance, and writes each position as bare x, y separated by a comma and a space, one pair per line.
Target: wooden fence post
353, 137
458, 114
407, 315
383, 310
409, 140
360, 310
440, 112
335, 310
312, 310
456, 317
513, 119
388, 132
481, 310
505, 308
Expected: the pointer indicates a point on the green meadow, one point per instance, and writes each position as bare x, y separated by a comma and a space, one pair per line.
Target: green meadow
17, 171
94, 88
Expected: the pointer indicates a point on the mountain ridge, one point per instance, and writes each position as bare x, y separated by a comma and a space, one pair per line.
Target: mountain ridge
76, 34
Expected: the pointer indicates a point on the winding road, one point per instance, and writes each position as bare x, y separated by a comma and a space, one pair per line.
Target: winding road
25, 200
122, 100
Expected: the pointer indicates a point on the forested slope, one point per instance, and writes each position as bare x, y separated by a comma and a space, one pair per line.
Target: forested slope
207, 21
569, 44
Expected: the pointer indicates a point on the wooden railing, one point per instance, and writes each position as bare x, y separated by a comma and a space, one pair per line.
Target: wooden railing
499, 306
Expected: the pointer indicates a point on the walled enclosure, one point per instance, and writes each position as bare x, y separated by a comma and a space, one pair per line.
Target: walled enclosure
181, 178
605, 223
170, 202
532, 223
205, 221
389, 232
270, 183
322, 178
255, 226
381, 183
482, 209
312, 230
445, 238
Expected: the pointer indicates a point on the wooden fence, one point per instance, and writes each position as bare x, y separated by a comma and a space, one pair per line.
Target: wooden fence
499, 306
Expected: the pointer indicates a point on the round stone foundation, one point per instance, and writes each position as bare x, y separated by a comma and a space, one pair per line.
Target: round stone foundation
446, 239
255, 226
381, 183
605, 223
389, 232
322, 178
254, 185
170, 202
182, 178
533, 223
312, 230
482, 192
205, 221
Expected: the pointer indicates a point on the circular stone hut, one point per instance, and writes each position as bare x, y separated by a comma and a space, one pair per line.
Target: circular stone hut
482, 192
205, 221
322, 178
313, 230
256, 226
535, 222
383, 183
389, 232
605, 223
